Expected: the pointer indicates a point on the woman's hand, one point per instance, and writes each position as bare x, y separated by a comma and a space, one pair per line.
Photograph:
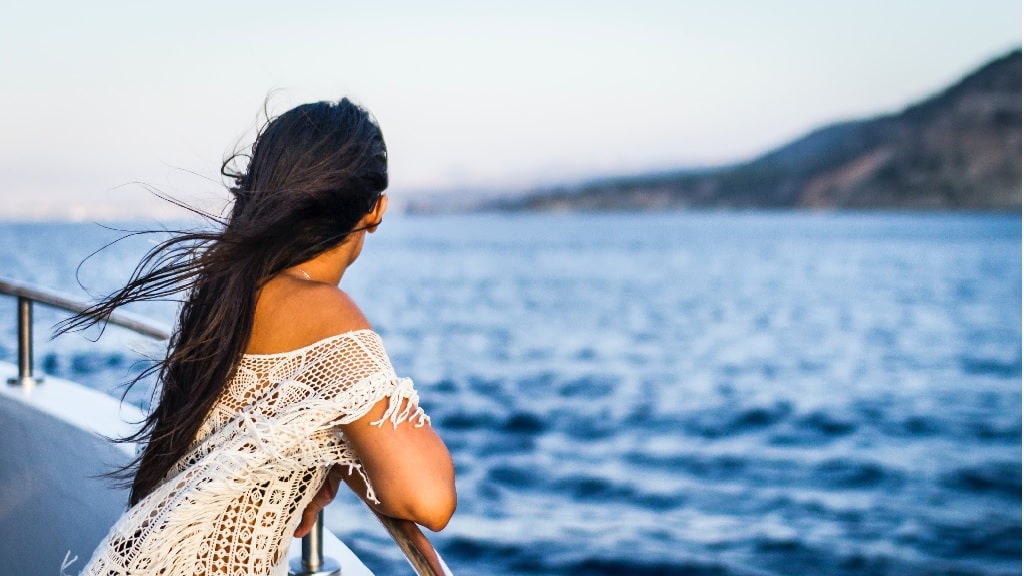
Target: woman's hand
323, 497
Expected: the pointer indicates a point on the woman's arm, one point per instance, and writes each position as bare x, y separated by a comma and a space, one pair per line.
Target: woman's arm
409, 467
338, 474
405, 533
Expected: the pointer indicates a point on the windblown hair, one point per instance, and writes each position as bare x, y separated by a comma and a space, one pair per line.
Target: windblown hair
312, 174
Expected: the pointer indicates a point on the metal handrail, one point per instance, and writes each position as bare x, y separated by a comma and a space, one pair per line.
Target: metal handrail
27, 294
407, 535
64, 302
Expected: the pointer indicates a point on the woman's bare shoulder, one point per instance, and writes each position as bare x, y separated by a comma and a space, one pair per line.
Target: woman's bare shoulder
293, 313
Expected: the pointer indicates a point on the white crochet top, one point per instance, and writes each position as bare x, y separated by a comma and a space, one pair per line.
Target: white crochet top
231, 504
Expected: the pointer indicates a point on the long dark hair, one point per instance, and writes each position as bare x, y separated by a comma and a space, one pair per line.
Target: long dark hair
312, 174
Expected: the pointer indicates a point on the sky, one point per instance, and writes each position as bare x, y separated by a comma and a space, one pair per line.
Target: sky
106, 100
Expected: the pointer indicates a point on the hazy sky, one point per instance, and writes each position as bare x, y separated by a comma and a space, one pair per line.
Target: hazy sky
471, 95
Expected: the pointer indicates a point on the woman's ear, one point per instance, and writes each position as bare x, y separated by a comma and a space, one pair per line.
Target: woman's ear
377, 214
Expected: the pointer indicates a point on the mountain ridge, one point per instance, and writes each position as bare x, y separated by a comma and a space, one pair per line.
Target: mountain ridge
959, 149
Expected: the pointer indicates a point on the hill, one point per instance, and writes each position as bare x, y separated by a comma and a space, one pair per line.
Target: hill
958, 150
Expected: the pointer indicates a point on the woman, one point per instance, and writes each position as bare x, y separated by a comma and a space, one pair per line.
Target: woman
274, 388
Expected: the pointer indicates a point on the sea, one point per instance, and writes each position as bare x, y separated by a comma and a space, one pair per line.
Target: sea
697, 393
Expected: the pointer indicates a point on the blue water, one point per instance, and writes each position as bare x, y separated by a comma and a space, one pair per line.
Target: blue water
710, 394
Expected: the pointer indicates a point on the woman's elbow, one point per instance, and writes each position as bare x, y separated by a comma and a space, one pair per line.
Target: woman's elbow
434, 510
426, 499
433, 496
436, 517
414, 477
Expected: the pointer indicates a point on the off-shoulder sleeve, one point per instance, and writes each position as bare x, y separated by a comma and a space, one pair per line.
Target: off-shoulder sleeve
347, 374
354, 374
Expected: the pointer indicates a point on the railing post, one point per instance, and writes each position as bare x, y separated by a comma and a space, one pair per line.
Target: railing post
24, 345
312, 562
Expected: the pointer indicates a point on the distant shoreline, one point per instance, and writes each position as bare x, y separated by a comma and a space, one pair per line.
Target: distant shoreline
959, 150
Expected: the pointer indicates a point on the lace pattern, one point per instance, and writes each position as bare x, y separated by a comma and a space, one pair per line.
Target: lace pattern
229, 506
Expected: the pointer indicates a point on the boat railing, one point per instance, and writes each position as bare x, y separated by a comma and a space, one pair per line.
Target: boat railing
410, 540
27, 295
